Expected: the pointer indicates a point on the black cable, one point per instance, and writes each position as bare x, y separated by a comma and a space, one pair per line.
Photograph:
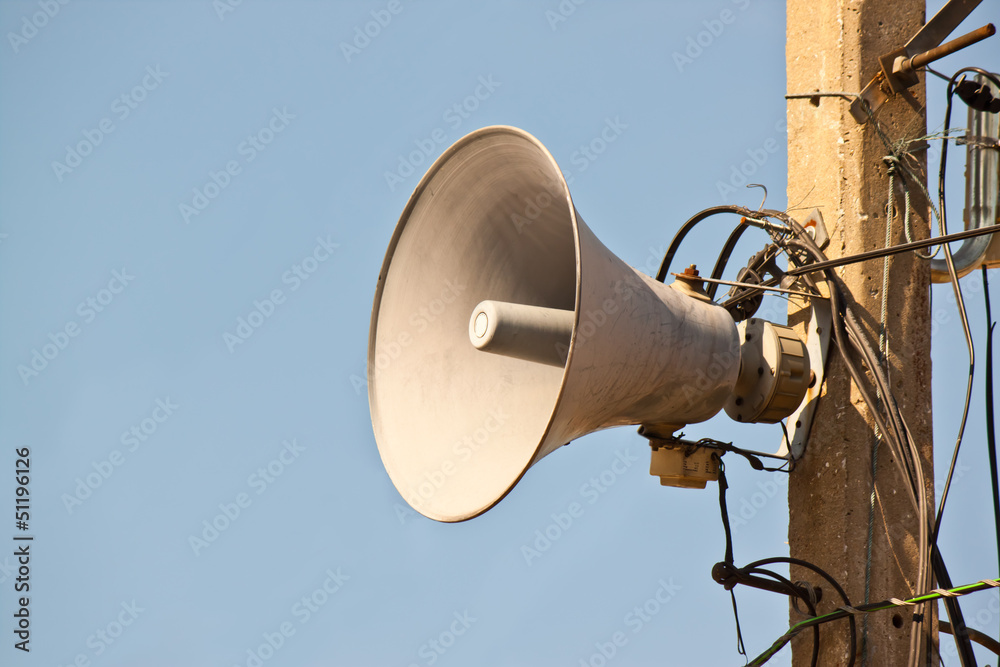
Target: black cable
894, 426
720, 263
840, 313
892, 603
742, 211
833, 582
740, 648
910, 462
849, 334
942, 219
907, 458
892, 250
751, 457
793, 595
899, 455
724, 510
962, 641
953, 609
841, 339
991, 445
979, 637
790, 589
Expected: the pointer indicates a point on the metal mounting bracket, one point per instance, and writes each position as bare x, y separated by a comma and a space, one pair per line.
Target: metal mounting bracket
898, 67
817, 345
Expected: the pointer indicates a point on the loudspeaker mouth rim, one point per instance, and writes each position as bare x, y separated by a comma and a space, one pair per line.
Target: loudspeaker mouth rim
420, 189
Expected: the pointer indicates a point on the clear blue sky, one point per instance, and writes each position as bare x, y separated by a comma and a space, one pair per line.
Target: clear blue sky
169, 169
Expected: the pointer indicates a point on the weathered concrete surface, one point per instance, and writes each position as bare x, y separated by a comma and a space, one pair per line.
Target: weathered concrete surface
837, 165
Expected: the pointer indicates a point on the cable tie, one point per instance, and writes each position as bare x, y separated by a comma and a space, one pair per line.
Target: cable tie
892, 162
943, 593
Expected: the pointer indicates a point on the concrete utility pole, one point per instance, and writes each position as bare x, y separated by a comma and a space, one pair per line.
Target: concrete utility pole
837, 165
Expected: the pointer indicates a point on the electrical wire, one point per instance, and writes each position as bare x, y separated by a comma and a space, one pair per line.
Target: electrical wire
839, 313
962, 643
842, 315
905, 454
957, 288
953, 608
975, 635
852, 341
759, 571
891, 603
991, 445
961, 303
720, 263
936, 73
900, 432
883, 354
668, 258
894, 250
785, 586
942, 220
833, 582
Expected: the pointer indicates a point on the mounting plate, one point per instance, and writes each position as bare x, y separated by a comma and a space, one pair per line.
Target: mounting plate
817, 345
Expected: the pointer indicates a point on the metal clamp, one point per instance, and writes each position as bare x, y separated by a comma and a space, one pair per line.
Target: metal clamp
730, 576
898, 67
817, 345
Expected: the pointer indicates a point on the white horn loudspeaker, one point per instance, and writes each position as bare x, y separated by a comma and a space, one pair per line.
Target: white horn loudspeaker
503, 329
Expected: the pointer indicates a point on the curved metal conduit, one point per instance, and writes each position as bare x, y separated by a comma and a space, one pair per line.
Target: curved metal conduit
981, 190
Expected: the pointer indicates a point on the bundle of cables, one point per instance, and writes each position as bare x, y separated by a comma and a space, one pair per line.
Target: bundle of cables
868, 370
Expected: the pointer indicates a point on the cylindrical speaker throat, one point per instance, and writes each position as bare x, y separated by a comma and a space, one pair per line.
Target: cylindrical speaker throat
532, 333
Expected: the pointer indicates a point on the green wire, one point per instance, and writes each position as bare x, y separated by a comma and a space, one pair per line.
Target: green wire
868, 608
